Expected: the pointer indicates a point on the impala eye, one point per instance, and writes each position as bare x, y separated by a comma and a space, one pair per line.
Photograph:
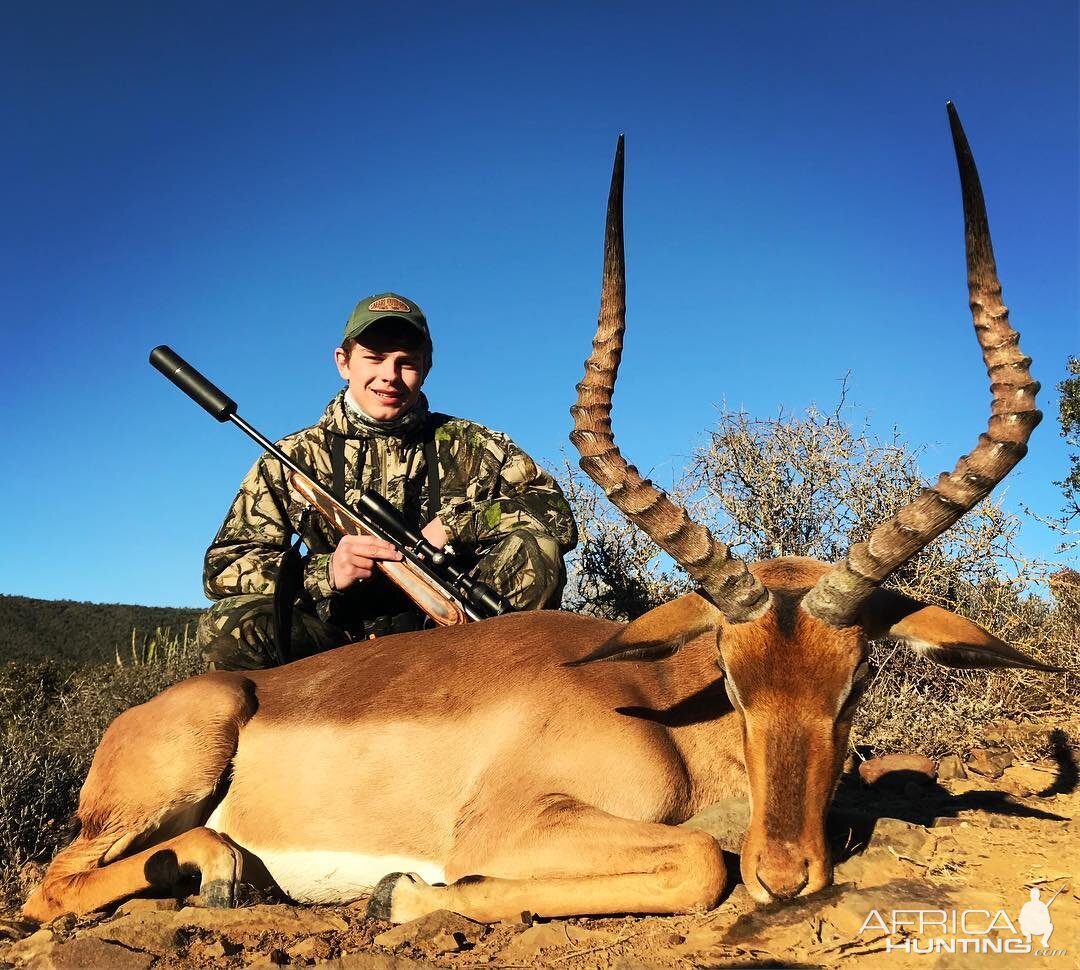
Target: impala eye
859, 681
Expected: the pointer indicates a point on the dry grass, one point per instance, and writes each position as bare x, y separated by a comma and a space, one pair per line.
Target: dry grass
791, 485
810, 485
53, 715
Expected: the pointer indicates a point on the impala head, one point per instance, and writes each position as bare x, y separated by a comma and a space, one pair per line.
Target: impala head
792, 633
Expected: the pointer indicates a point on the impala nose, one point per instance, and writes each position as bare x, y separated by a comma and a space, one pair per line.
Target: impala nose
784, 890
782, 872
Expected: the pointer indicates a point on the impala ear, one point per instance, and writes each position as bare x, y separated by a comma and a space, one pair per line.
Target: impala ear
660, 633
939, 635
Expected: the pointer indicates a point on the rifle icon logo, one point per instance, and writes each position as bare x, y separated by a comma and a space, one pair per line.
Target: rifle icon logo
1035, 916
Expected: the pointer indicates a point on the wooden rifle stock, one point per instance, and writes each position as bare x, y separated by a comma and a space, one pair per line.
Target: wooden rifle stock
444, 609
425, 574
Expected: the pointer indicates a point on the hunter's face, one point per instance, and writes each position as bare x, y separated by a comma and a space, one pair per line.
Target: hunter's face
384, 376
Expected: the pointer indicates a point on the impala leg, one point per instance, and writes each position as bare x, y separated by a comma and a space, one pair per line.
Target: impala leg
155, 776
573, 860
75, 884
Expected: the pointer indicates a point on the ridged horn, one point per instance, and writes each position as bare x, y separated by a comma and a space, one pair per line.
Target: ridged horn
723, 578
838, 595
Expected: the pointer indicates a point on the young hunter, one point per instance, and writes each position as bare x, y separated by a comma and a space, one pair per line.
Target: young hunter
467, 486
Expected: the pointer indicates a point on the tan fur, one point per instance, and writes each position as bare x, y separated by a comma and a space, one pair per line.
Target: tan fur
477, 750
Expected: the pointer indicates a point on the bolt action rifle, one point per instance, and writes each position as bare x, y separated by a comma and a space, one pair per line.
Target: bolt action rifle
426, 574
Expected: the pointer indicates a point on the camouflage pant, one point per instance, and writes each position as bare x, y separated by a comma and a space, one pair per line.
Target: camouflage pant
238, 632
519, 568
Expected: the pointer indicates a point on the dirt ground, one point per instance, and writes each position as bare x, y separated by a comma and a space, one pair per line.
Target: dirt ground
912, 850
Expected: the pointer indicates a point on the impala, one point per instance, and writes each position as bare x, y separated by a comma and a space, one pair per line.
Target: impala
500, 767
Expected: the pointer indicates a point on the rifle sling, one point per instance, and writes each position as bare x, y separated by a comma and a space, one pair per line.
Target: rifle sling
290, 580
431, 457
290, 577
335, 443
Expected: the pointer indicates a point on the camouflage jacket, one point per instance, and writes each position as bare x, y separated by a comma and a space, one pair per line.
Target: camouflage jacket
489, 488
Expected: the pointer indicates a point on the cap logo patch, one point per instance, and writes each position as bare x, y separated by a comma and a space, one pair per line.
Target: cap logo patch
390, 303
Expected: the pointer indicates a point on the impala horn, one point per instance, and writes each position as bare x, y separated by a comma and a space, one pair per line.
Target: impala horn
837, 597
725, 580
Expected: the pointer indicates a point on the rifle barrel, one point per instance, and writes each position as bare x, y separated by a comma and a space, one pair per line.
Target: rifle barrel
380, 518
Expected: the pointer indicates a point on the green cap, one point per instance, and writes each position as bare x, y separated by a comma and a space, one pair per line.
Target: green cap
386, 306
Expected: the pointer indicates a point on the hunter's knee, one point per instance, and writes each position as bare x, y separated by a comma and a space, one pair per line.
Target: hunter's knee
527, 570
237, 633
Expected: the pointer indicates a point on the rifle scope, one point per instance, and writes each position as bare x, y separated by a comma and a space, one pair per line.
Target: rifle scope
478, 599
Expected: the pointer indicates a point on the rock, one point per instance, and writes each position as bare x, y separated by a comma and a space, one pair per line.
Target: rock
438, 932
775, 928
63, 925
16, 929
846, 915
948, 821
897, 769
945, 844
951, 767
528, 945
265, 918
973, 783
849, 911
371, 961
160, 932
904, 838
85, 953
726, 821
215, 949
1028, 779
990, 762
153, 932
31, 946
892, 845
148, 906
310, 949
872, 867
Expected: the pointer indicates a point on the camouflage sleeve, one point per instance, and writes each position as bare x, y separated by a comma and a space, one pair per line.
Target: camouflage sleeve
246, 552
508, 492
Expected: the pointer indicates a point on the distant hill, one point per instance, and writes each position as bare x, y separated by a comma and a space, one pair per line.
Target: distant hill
31, 629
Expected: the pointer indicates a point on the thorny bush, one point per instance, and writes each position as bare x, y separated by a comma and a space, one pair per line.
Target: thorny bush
788, 485
52, 716
811, 485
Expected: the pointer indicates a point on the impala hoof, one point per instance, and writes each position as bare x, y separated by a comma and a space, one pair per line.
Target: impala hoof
218, 894
378, 906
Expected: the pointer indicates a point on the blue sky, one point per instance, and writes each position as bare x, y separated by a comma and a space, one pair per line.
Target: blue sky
231, 178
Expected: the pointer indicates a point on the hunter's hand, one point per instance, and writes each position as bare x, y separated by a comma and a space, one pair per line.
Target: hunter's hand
355, 557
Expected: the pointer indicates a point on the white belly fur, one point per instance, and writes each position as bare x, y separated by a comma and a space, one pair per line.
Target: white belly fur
337, 877
324, 876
